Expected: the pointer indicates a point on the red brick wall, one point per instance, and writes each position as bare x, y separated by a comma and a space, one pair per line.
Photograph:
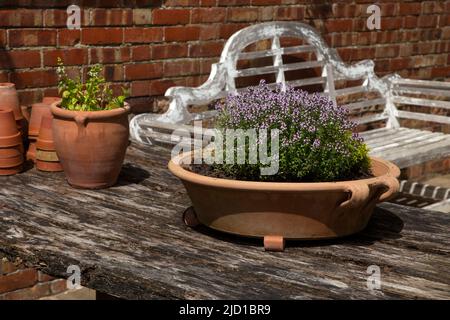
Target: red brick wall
152, 45
17, 283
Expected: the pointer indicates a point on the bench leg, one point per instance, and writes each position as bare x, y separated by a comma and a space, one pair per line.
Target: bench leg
190, 217
274, 243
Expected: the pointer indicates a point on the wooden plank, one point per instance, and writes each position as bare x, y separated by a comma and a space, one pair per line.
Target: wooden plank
170, 140
422, 83
371, 118
420, 154
271, 69
394, 138
413, 145
406, 142
371, 132
273, 52
351, 90
420, 90
365, 103
130, 242
306, 81
386, 134
423, 117
421, 102
381, 132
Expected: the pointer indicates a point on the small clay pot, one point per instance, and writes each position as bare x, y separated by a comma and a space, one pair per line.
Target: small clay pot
9, 134
46, 157
11, 171
10, 100
31, 153
38, 110
10, 157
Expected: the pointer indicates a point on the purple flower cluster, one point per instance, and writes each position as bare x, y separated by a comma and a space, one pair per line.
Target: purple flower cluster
312, 127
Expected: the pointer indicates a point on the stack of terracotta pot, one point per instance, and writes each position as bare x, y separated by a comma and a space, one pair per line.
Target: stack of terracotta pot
10, 100
12, 125
11, 146
38, 111
46, 157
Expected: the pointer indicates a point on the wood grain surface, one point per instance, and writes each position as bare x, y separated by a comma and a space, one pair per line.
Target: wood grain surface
130, 242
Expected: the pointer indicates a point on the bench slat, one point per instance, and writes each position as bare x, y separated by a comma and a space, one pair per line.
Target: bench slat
380, 132
422, 102
418, 90
273, 52
401, 142
372, 118
394, 137
350, 90
365, 104
419, 152
422, 83
271, 69
423, 117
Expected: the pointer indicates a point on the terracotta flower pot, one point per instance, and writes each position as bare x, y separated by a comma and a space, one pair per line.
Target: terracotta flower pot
9, 134
38, 110
46, 157
11, 148
31, 153
9, 99
91, 145
10, 157
281, 211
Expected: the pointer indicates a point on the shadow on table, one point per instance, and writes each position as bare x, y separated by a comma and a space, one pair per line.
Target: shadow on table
382, 225
131, 174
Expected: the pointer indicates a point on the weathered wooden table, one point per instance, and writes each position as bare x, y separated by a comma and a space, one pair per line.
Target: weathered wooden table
130, 242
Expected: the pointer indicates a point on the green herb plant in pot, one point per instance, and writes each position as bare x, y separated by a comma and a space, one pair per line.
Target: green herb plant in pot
90, 129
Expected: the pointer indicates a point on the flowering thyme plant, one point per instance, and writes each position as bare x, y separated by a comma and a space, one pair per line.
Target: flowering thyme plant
316, 142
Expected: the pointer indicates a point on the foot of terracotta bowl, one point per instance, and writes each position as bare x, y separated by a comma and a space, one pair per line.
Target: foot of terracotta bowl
190, 217
274, 243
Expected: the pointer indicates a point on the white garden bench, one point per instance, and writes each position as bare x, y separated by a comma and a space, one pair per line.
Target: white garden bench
377, 104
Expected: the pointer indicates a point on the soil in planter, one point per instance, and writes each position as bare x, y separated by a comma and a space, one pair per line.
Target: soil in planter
209, 171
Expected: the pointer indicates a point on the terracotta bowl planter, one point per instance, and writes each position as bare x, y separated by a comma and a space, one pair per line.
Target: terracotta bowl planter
277, 211
91, 145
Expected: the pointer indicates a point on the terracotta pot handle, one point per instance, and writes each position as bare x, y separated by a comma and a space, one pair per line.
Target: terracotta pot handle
359, 191
390, 184
81, 120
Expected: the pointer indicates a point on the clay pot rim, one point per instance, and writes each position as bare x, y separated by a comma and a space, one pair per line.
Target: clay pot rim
7, 85
391, 171
10, 141
6, 110
18, 118
91, 115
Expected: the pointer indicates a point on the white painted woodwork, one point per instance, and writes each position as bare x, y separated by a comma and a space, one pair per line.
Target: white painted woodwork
402, 145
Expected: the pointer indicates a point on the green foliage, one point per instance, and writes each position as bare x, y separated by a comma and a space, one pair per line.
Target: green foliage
94, 95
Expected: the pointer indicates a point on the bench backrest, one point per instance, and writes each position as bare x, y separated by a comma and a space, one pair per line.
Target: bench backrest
225, 74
